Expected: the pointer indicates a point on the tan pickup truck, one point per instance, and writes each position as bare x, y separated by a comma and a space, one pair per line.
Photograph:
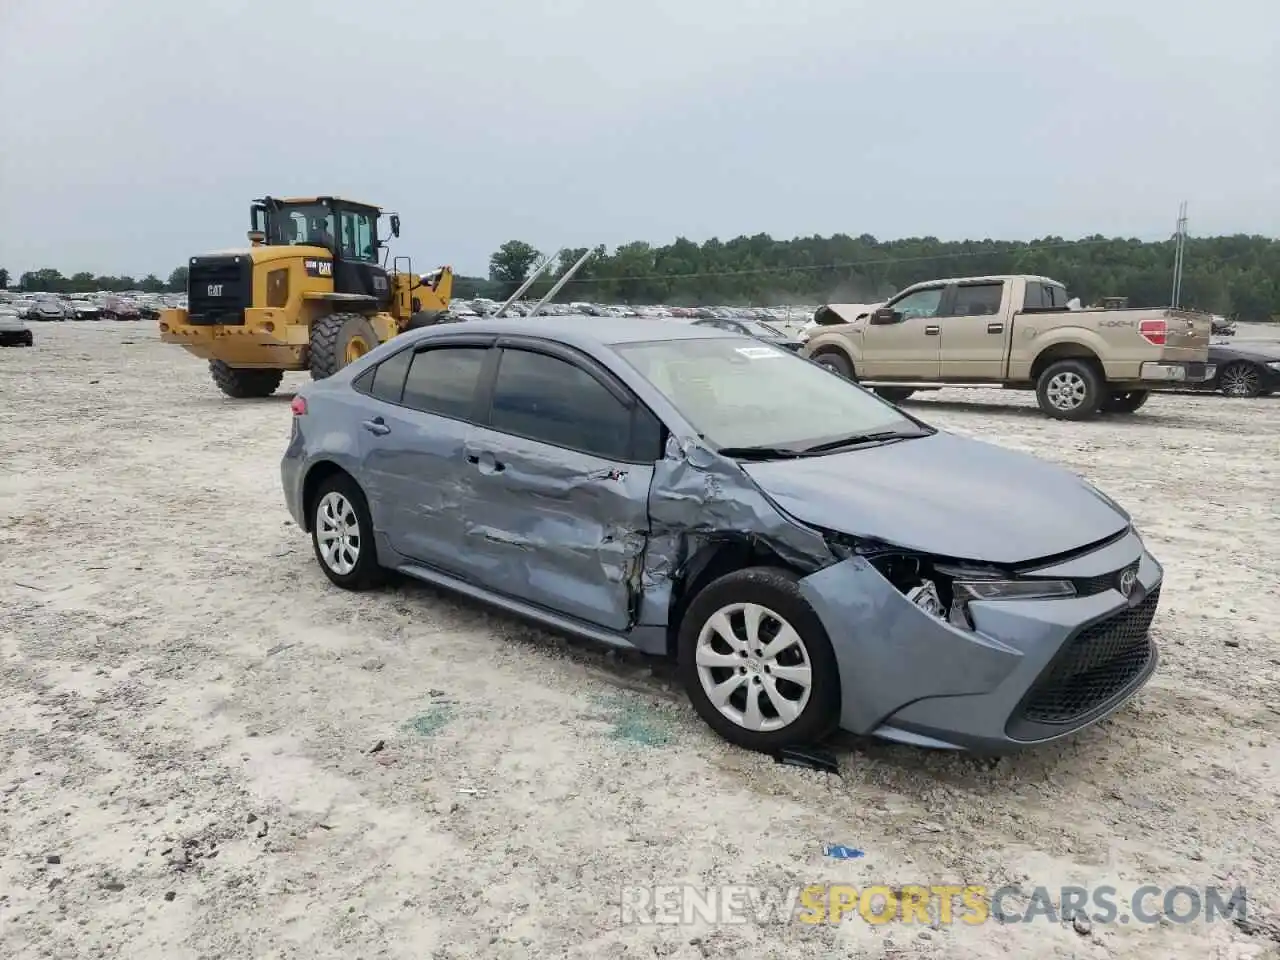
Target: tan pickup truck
1017, 332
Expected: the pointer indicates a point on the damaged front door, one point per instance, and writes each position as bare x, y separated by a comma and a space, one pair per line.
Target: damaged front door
559, 512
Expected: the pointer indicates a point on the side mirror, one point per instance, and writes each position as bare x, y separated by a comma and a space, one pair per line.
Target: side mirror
884, 315
395, 224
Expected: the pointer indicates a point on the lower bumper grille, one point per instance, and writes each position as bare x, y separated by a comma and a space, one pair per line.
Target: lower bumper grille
1099, 664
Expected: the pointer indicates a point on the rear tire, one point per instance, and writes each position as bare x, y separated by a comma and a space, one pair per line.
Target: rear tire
1239, 380
337, 340
893, 394
342, 534
1125, 402
836, 363
243, 383
707, 659
1070, 390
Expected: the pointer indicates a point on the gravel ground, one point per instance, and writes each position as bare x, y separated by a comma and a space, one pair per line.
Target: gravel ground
206, 751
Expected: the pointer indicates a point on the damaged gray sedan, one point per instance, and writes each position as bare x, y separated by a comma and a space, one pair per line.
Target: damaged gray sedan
813, 556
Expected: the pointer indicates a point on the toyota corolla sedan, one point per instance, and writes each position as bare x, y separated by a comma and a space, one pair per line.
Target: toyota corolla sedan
811, 555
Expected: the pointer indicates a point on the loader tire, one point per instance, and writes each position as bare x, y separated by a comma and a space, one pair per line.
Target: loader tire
243, 383
337, 340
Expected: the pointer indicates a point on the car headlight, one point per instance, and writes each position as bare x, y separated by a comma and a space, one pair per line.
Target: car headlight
1274, 364
968, 585
945, 589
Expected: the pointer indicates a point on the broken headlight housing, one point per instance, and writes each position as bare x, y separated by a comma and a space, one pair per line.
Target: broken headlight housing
946, 588
968, 584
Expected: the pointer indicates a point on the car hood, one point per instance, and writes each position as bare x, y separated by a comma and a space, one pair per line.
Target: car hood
946, 495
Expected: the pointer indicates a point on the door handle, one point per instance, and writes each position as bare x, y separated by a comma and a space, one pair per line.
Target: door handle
932, 331
995, 328
377, 426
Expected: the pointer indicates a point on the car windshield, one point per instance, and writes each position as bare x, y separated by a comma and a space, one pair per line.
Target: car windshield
740, 393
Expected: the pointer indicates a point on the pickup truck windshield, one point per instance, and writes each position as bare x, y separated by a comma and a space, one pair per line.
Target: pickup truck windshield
744, 393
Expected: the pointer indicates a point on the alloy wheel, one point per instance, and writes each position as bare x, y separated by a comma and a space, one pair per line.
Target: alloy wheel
1067, 390
754, 667
338, 533
1239, 380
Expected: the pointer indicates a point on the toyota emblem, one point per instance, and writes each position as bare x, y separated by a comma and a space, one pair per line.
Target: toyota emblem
1128, 579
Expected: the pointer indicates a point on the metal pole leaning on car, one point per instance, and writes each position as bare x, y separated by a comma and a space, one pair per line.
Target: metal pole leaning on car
559, 284
527, 283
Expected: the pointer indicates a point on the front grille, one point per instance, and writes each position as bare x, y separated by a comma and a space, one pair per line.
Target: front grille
219, 289
1096, 666
1091, 586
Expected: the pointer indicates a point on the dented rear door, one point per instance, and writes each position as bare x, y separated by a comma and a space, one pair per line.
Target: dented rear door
556, 527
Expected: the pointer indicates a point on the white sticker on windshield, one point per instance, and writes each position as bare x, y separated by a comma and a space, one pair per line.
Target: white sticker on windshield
759, 353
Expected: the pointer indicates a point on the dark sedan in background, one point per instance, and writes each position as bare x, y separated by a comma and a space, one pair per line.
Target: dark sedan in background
1246, 368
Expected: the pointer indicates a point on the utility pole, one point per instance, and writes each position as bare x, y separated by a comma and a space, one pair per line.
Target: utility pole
1179, 252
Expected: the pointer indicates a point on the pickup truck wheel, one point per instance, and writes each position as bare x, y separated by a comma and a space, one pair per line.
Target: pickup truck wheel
893, 394
1070, 390
1126, 402
836, 363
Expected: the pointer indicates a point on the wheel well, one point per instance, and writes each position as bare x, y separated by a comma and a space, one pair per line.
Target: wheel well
1062, 351
318, 474
709, 564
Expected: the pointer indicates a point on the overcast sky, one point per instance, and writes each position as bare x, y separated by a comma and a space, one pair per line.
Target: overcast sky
135, 133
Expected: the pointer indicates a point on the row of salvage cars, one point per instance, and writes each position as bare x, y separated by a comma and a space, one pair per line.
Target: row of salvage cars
628, 480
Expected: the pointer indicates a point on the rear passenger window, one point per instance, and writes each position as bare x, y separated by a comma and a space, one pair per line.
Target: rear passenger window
1034, 298
388, 377
977, 300
443, 380
547, 399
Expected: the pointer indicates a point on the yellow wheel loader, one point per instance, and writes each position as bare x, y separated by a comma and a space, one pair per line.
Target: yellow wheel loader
311, 292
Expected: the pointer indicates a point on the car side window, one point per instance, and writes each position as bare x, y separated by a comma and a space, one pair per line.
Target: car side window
551, 400
387, 382
922, 303
977, 300
443, 380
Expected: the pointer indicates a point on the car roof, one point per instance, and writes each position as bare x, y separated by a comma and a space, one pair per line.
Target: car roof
583, 331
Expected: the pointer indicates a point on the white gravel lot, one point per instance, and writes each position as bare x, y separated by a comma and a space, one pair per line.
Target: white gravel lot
189, 711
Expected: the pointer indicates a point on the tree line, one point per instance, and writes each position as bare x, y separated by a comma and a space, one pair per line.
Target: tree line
1230, 275
49, 280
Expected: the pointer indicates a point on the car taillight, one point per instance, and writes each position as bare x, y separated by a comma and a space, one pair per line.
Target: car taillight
298, 406
1153, 331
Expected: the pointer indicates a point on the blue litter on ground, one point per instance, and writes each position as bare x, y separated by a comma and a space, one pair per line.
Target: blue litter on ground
838, 851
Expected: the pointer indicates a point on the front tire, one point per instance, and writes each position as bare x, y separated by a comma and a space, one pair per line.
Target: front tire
1070, 390
1126, 402
337, 340
243, 383
836, 363
756, 662
1239, 380
342, 534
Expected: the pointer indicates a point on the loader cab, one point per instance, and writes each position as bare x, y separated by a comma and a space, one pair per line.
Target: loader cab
348, 230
